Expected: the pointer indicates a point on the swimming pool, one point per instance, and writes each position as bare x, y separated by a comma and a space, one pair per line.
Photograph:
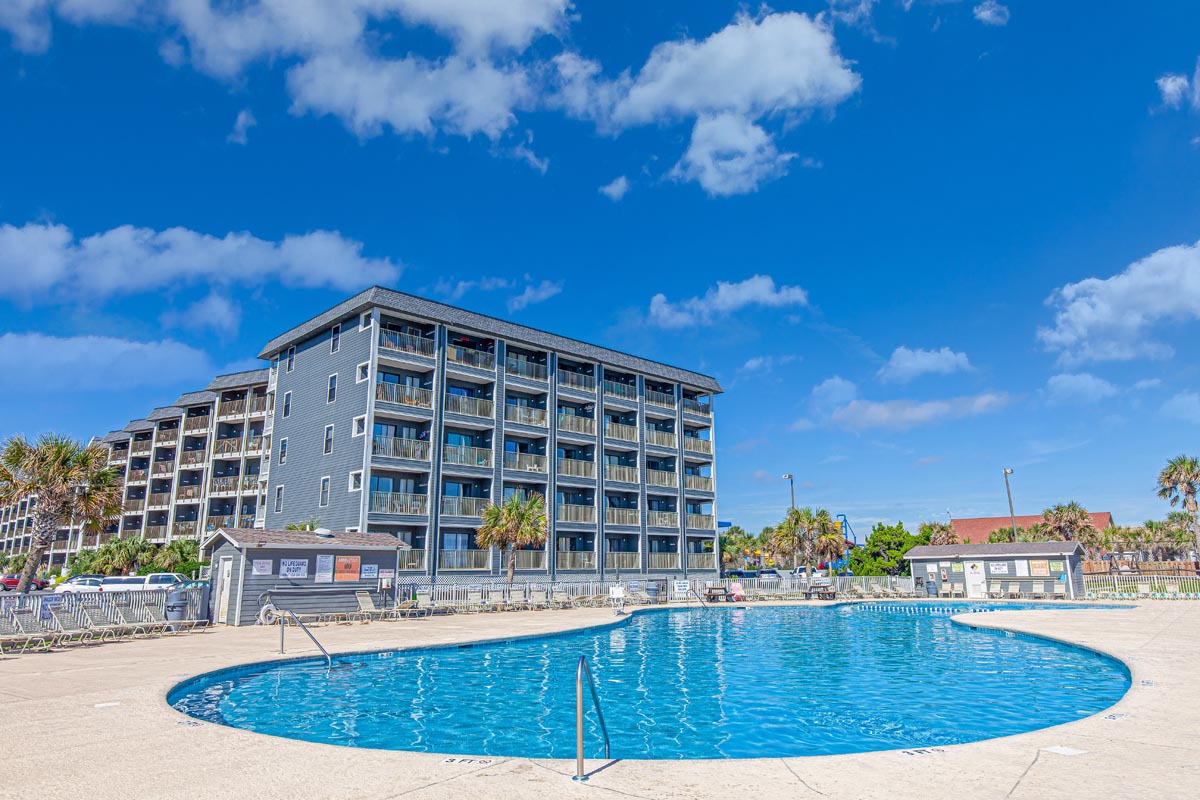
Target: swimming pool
678, 683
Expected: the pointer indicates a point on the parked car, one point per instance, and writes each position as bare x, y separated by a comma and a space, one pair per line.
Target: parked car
742, 573
768, 573
141, 583
80, 583
9, 582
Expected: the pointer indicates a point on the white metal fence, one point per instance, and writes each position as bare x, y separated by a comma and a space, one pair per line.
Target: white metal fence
1141, 587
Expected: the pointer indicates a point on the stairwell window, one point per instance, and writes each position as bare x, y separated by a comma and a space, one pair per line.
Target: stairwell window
328, 439
283, 451
332, 394
360, 426
364, 321
335, 339
287, 404
323, 500
355, 481
291, 359
278, 499
362, 373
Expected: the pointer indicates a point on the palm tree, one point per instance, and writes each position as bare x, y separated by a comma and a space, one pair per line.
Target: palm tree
176, 552
940, 533
794, 536
124, 555
308, 525
1066, 522
1179, 484
519, 522
829, 547
72, 482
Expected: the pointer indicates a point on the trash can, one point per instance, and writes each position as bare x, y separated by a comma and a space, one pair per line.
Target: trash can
931, 588
656, 590
176, 608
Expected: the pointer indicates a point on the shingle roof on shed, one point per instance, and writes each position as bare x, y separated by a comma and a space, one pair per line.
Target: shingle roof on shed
1015, 549
254, 538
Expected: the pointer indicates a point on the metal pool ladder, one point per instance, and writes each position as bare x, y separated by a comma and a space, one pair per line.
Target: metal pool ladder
303, 627
698, 597
581, 670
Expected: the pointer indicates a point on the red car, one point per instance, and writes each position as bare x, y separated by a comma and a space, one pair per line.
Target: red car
10, 582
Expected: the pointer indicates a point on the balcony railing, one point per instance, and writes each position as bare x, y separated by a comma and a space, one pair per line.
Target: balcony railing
621, 390
167, 438
185, 529
250, 482
192, 492
403, 395
466, 456
227, 447
617, 472
701, 561
469, 406
394, 447
524, 415
662, 561
258, 404
406, 343
622, 560
698, 482
412, 559
159, 499
471, 358
703, 522
525, 462
133, 506
191, 457
569, 512
661, 399
464, 506
225, 483
577, 381
576, 559
621, 516
155, 533
576, 468
140, 448
465, 559
617, 430
222, 521
232, 408
663, 519
197, 423
661, 477
697, 445
118, 456
528, 559
696, 407
660, 438
399, 503
254, 445
136, 476
163, 467
577, 424
526, 369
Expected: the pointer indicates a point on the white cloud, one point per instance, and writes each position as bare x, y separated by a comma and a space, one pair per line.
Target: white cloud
1184, 406
82, 363
44, 259
215, 312
722, 300
832, 393
1177, 90
1108, 319
729, 154
989, 12
764, 364
899, 415
534, 293
906, 364
244, 122
1145, 384
454, 290
615, 189
1080, 388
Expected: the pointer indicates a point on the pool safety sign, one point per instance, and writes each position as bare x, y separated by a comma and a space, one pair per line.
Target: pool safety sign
998, 567
261, 566
324, 569
293, 567
371, 572
346, 568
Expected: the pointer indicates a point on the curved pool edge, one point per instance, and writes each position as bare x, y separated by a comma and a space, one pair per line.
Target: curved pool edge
962, 619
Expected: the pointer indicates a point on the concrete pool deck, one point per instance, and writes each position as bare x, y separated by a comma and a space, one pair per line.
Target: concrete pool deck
93, 722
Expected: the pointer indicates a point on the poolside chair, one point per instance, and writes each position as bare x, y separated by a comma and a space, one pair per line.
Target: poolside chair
11, 636
1058, 590
135, 620
32, 627
98, 621
423, 599
994, 591
69, 627
1172, 591
944, 590
1038, 590
1012, 590
367, 610
538, 599
1143, 590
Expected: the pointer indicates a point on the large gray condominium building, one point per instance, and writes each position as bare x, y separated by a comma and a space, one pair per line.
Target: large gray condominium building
397, 414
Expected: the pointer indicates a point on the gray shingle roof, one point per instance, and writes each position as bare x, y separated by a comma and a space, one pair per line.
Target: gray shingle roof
1016, 549
238, 379
253, 538
112, 437
164, 412
440, 312
196, 399
139, 425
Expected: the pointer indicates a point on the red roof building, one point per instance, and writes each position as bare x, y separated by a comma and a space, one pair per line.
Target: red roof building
975, 530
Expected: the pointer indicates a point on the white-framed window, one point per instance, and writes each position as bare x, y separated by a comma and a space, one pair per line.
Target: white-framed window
331, 395
355, 482
328, 447
279, 499
362, 372
323, 500
360, 426
335, 338
287, 404
364, 321
352, 530
283, 450
291, 359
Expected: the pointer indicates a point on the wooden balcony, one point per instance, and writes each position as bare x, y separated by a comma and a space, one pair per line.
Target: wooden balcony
617, 430
399, 503
185, 529
662, 477
577, 424
661, 438
230, 446
660, 399
662, 560
477, 359
525, 462
466, 456
622, 560
222, 521
695, 445
524, 415
134, 506
663, 519
465, 559
617, 472
701, 522
190, 458
225, 483
412, 559
464, 506
159, 500
526, 369
136, 476
701, 561
469, 406
232, 408
189, 492
696, 407
155, 533
406, 343
393, 447
402, 395
140, 448
527, 559
258, 404
577, 381
254, 445
576, 468
621, 516
197, 423
698, 482
569, 512
163, 468
575, 559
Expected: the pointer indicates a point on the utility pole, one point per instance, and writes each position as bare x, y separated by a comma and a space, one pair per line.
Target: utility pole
1011, 515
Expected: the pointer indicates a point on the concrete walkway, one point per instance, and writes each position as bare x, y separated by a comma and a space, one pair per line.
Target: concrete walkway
93, 723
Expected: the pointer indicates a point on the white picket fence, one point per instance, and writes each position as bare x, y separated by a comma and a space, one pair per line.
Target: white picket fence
1141, 587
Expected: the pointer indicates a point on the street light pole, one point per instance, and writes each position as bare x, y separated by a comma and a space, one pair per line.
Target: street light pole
1011, 515
791, 482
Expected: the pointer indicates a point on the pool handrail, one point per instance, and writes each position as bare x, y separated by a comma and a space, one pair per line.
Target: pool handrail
303, 627
581, 669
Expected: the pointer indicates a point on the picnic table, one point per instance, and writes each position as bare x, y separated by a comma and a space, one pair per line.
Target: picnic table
716, 593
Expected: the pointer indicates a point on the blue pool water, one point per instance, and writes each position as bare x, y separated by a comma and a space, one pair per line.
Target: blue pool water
717, 683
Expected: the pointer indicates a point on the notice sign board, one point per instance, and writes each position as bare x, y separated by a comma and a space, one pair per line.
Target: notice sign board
1056, 566
1039, 569
293, 567
324, 569
261, 566
682, 587
346, 568
1022, 568
370, 571
383, 573
998, 567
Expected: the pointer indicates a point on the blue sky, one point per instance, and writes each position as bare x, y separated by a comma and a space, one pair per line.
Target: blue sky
916, 241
